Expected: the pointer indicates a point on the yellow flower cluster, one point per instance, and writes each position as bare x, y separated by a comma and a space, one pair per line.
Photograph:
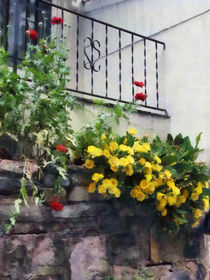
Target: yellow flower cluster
130, 159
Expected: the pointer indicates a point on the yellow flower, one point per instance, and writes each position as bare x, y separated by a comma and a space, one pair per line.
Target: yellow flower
194, 196
160, 207
197, 213
107, 183
147, 167
164, 212
183, 198
206, 185
140, 196
124, 162
97, 176
137, 147
129, 170
167, 174
113, 146
123, 148
157, 159
206, 204
114, 161
185, 193
160, 195
170, 184
95, 152
134, 193
176, 190
157, 167
148, 177
102, 189
171, 200
144, 184
117, 193
146, 147
89, 163
132, 131
114, 182
142, 161
178, 202
163, 201
125, 141
114, 168
111, 190
103, 137
195, 224
106, 153
92, 187
199, 188
131, 159
130, 151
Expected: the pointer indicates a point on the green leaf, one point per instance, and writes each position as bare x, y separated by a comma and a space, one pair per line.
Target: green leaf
198, 139
206, 192
168, 159
178, 139
169, 139
180, 219
17, 205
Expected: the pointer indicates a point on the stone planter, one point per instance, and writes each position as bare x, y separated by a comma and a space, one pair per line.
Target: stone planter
91, 238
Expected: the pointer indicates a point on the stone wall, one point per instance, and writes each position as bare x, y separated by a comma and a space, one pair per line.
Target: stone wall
91, 238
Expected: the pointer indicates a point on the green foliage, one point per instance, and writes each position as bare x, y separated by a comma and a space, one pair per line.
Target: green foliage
105, 122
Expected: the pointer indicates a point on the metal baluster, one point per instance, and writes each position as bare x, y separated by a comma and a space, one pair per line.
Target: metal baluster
132, 68
26, 21
92, 65
106, 61
77, 56
156, 66
120, 67
16, 35
62, 13
145, 70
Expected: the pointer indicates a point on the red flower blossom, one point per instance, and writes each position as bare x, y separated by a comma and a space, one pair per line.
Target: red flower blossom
140, 96
138, 84
32, 34
57, 20
61, 148
57, 206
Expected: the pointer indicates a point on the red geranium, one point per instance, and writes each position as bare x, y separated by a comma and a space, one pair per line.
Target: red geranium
140, 96
138, 84
61, 148
57, 20
57, 206
32, 34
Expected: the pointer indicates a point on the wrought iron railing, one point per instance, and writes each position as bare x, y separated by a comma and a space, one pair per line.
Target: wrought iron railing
106, 59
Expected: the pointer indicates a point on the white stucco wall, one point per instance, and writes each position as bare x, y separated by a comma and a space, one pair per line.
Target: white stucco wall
184, 27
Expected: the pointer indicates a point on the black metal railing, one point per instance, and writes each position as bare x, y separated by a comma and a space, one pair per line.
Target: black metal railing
106, 59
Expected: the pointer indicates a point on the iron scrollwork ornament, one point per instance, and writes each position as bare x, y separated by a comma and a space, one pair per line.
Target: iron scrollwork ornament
94, 45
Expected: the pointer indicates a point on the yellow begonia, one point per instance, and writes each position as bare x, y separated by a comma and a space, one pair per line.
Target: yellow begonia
102, 189
206, 203
141, 196
176, 190
160, 195
199, 188
178, 202
107, 183
114, 182
147, 167
146, 147
125, 141
160, 207
164, 212
123, 162
97, 176
144, 184
167, 174
195, 224
148, 177
106, 153
206, 185
113, 146
197, 213
157, 159
142, 161
117, 193
131, 159
123, 148
92, 187
132, 131
129, 170
111, 189
194, 196
157, 167
137, 147
89, 163
134, 193
95, 152
114, 161
163, 201
114, 168
170, 184
185, 193
103, 137
183, 198
171, 200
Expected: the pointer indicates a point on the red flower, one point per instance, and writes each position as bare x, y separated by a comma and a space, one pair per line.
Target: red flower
61, 148
140, 96
57, 206
57, 20
138, 84
32, 34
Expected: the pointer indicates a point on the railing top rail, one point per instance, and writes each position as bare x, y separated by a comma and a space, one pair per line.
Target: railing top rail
102, 22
